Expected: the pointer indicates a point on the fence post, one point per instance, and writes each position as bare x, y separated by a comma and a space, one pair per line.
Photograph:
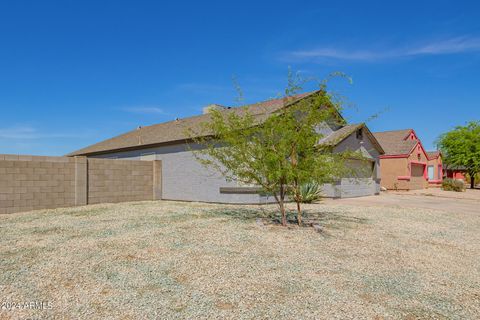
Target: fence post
81, 181
157, 179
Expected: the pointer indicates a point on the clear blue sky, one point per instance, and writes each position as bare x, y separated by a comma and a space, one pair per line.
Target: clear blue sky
73, 73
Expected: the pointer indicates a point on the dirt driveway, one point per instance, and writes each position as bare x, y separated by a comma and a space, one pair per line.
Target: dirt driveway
437, 199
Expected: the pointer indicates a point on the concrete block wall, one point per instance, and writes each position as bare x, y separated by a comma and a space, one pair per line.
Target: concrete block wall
29, 182
119, 180
35, 182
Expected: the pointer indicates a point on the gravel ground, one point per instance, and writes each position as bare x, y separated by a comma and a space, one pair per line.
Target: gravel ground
171, 260
468, 194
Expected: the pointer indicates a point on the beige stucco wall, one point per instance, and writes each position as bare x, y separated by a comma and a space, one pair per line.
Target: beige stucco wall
414, 156
438, 173
32, 182
392, 168
418, 156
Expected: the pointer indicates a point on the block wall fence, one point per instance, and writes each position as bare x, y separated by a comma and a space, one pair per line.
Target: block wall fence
35, 182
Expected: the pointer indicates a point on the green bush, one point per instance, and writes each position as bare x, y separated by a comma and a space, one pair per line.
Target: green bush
453, 185
310, 192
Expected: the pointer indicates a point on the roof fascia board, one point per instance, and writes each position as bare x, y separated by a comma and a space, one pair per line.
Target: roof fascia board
394, 156
132, 148
373, 139
408, 134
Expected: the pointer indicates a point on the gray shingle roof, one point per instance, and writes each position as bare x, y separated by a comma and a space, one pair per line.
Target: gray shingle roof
341, 134
177, 130
337, 136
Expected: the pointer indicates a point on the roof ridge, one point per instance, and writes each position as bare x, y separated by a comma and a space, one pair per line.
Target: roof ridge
298, 95
173, 130
392, 130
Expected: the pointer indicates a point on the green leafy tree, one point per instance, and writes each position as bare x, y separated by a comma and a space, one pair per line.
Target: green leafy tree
461, 147
277, 152
308, 160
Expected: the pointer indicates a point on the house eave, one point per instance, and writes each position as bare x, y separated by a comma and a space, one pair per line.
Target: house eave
394, 156
131, 148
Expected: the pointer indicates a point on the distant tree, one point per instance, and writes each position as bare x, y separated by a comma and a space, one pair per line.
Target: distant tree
461, 147
277, 152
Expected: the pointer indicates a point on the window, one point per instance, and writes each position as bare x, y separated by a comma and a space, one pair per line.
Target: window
431, 173
360, 134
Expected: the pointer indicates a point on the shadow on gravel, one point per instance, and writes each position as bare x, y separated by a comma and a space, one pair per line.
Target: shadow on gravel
271, 216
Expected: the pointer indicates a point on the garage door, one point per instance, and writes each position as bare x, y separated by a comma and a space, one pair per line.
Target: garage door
417, 180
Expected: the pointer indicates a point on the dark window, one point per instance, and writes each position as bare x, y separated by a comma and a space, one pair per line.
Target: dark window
360, 134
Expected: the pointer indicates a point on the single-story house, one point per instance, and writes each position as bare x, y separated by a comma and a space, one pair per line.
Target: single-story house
406, 165
184, 178
455, 172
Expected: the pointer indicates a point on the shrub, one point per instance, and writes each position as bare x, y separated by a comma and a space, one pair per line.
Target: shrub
453, 185
310, 192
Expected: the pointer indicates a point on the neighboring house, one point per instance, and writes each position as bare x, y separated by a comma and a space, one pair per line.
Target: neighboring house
406, 165
184, 178
455, 172
434, 168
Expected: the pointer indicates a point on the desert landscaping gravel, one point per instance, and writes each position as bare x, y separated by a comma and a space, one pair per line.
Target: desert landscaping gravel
173, 260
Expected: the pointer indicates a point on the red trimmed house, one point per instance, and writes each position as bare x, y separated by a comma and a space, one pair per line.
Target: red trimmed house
434, 168
406, 165
457, 173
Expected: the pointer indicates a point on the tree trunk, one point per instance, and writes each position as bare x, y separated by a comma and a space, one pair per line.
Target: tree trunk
298, 199
280, 198
284, 215
282, 205
297, 195
299, 213
472, 181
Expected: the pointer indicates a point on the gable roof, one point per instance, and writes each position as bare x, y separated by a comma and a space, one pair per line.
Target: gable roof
176, 130
433, 154
395, 143
341, 134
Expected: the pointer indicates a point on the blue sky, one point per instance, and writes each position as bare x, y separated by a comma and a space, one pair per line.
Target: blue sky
73, 73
